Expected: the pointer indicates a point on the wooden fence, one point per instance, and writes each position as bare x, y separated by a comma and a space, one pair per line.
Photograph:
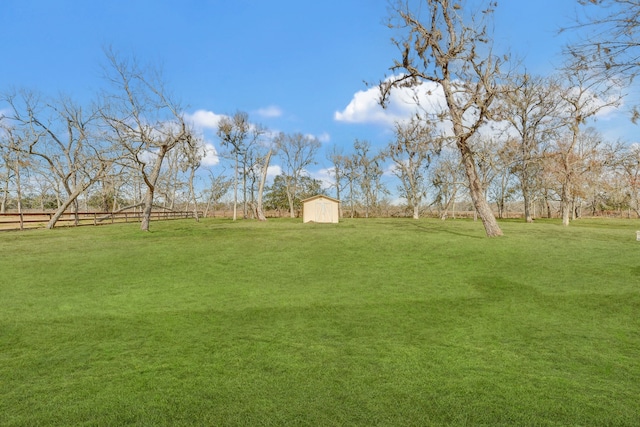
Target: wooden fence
21, 221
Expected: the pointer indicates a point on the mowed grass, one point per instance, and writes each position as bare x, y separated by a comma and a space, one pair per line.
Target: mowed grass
379, 322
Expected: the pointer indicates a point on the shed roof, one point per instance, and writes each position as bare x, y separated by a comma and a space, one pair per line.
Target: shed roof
320, 196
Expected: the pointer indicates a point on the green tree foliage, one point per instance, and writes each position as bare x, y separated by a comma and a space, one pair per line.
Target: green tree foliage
276, 196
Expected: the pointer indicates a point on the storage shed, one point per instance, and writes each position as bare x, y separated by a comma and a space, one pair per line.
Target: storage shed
320, 209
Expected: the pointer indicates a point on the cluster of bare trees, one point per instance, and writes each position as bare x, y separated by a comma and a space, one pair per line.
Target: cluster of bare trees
495, 134
503, 134
544, 176
447, 44
250, 147
117, 146
358, 176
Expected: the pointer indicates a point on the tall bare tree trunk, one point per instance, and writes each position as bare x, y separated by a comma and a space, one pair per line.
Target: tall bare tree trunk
5, 191
259, 210
19, 197
151, 186
445, 209
235, 192
483, 209
63, 207
525, 193
292, 211
73, 198
565, 205
146, 210
192, 193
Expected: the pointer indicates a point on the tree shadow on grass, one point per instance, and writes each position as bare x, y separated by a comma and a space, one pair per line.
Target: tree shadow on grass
457, 231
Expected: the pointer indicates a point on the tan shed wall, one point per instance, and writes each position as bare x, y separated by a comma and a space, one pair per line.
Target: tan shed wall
320, 210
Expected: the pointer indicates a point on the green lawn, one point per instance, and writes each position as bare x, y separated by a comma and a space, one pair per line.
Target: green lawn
367, 322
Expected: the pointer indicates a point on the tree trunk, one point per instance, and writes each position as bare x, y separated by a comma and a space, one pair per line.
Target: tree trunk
565, 206
5, 192
351, 196
73, 198
445, 209
19, 196
527, 206
244, 190
259, 210
192, 193
206, 208
151, 186
292, 212
146, 210
416, 212
114, 206
475, 185
483, 209
235, 191
63, 207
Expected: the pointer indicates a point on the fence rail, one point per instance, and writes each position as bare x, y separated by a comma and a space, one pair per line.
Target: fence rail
20, 221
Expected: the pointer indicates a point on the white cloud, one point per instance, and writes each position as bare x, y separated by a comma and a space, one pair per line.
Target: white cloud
210, 155
270, 111
204, 119
323, 137
326, 176
403, 103
273, 171
364, 108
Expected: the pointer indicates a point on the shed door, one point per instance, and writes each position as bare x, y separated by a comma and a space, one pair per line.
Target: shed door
324, 213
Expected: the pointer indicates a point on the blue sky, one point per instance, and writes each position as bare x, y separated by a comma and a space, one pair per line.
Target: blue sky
293, 65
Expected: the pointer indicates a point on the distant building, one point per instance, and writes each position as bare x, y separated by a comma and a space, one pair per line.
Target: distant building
320, 209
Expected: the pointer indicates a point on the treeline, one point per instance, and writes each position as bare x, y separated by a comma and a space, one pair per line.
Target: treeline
484, 132
133, 147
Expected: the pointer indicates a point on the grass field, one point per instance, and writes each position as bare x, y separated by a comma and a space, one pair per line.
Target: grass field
367, 322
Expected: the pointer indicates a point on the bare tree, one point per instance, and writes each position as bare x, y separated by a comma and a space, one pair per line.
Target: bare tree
219, 185
255, 163
531, 107
488, 160
15, 158
146, 121
65, 137
609, 38
630, 166
414, 146
169, 181
597, 185
351, 173
368, 170
586, 94
448, 179
503, 186
191, 160
338, 159
296, 151
264, 167
233, 133
441, 42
